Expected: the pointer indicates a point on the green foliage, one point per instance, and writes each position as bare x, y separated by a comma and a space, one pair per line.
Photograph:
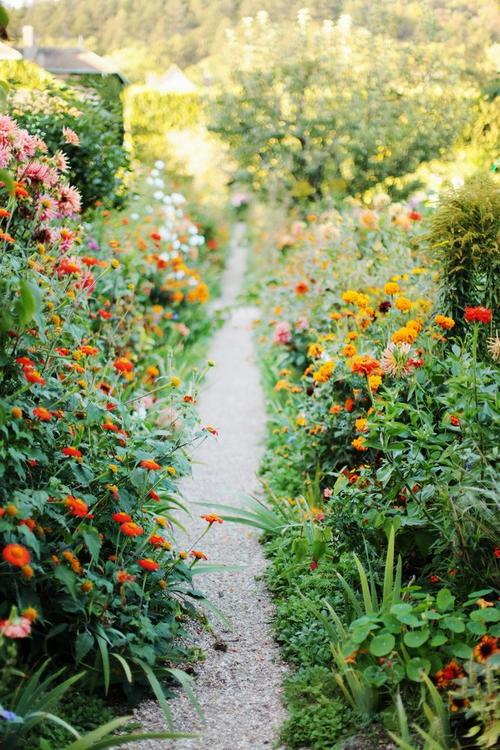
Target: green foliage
464, 235
45, 106
317, 110
318, 717
151, 114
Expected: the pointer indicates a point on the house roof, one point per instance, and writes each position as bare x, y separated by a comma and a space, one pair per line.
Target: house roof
9, 53
173, 81
74, 60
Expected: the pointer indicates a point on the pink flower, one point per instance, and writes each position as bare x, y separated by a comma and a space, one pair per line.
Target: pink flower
71, 137
47, 208
25, 145
20, 627
8, 130
69, 201
282, 333
302, 324
5, 156
36, 171
396, 360
61, 161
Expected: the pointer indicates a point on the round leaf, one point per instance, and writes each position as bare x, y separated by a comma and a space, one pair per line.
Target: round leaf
415, 667
382, 644
416, 638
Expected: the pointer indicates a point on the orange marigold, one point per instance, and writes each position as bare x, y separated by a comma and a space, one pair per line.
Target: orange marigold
16, 554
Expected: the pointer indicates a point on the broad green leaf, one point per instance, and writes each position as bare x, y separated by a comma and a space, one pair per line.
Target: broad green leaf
84, 642
382, 644
415, 667
445, 600
416, 638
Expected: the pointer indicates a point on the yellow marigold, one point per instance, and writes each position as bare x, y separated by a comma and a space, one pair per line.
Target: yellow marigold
392, 287
352, 335
335, 316
359, 444
324, 373
350, 297
424, 304
349, 350
404, 335
403, 303
374, 381
416, 324
301, 421
282, 385
171, 470
315, 350
361, 424
444, 322
175, 381
368, 219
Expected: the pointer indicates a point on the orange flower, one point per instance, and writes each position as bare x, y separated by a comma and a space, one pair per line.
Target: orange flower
153, 495
77, 506
211, 518
16, 554
148, 564
149, 464
487, 646
198, 555
449, 673
359, 444
17, 412
130, 528
302, 287
156, 540
44, 415
335, 409
121, 517
122, 364
444, 322
349, 405
363, 364
123, 577
454, 420
30, 613
70, 451
33, 376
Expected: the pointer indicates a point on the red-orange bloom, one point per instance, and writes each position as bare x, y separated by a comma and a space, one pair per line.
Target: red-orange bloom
150, 464
16, 554
123, 577
478, 314
156, 540
148, 564
68, 266
121, 517
78, 507
130, 528
44, 415
302, 287
110, 427
33, 376
212, 518
70, 451
122, 364
198, 555
363, 364
153, 495
487, 646
454, 420
88, 350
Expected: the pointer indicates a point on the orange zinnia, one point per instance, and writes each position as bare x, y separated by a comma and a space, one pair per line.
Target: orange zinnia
198, 555
121, 517
148, 564
130, 528
122, 364
78, 507
211, 518
364, 365
150, 464
70, 451
43, 414
16, 554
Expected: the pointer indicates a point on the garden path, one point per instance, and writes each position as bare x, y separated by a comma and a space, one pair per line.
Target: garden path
239, 683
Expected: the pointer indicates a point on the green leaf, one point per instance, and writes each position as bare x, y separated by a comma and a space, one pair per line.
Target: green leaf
29, 301
416, 638
438, 640
382, 644
455, 624
445, 600
7, 180
67, 577
103, 648
489, 614
415, 667
84, 642
462, 650
92, 540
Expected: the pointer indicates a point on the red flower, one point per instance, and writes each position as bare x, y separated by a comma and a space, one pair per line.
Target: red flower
149, 464
148, 564
156, 540
25, 362
434, 579
415, 215
123, 577
33, 376
363, 364
122, 364
155, 236
130, 528
302, 287
153, 495
496, 552
478, 314
68, 266
121, 517
104, 314
110, 427
454, 420
17, 555
198, 555
70, 451
313, 565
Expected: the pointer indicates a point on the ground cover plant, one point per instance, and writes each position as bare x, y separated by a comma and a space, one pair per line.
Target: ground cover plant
96, 427
382, 447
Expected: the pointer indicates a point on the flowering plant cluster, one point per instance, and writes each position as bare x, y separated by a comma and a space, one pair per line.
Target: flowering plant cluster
389, 421
95, 420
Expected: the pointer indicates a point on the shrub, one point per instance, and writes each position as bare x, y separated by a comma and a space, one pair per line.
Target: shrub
465, 238
45, 106
151, 114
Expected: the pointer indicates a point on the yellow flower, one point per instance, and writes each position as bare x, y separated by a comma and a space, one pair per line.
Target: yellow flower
404, 335
368, 219
113, 468
315, 350
361, 424
359, 444
171, 470
115, 263
403, 304
325, 372
349, 350
374, 381
175, 381
391, 287
301, 421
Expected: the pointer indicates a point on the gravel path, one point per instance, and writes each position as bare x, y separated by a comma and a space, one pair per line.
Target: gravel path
239, 689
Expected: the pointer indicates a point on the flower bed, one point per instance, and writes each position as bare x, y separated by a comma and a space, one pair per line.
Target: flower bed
96, 422
383, 436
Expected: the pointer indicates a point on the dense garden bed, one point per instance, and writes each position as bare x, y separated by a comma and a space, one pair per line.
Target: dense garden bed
383, 437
